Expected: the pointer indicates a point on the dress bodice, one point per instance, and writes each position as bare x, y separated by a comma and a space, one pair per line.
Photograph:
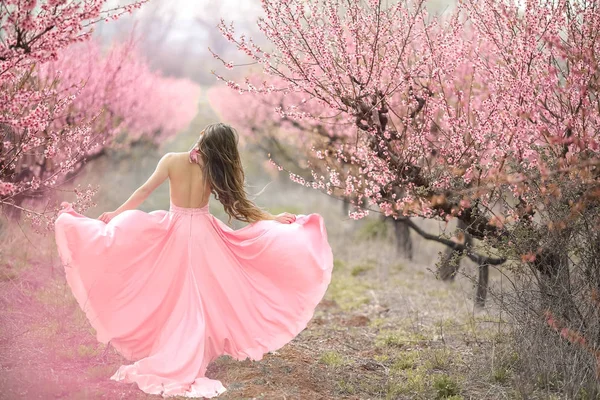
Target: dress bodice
189, 211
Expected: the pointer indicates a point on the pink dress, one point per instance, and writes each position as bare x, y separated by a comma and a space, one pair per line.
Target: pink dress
173, 290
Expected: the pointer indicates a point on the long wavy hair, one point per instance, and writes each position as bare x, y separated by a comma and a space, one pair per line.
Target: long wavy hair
222, 169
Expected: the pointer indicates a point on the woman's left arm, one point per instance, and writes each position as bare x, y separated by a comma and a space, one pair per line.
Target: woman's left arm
161, 173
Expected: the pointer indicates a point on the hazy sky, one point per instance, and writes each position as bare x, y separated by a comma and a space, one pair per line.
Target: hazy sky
177, 33
189, 9
232, 9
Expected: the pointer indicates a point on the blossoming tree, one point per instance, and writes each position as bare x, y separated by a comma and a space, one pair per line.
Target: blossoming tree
490, 116
62, 101
132, 99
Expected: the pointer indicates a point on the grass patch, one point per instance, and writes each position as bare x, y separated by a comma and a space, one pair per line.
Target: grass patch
394, 389
439, 359
81, 323
347, 291
406, 360
381, 357
88, 351
100, 372
413, 383
338, 264
56, 295
438, 293
66, 353
445, 387
398, 339
447, 324
397, 267
371, 385
360, 269
344, 387
503, 366
87, 393
377, 322
332, 359
21, 248
373, 229
501, 375
47, 329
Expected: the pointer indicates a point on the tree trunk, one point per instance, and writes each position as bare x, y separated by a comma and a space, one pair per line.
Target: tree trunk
449, 264
555, 286
404, 243
450, 261
482, 285
346, 206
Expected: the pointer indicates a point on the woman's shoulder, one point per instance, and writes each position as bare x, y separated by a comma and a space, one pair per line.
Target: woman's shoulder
174, 157
174, 154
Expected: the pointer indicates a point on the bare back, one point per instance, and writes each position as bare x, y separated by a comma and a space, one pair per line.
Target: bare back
186, 184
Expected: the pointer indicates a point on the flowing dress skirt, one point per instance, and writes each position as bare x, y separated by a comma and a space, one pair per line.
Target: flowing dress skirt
173, 290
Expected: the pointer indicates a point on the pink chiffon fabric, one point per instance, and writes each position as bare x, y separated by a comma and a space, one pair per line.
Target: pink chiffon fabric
173, 290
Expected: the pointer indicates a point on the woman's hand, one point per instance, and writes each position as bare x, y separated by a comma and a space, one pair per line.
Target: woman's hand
285, 218
107, 216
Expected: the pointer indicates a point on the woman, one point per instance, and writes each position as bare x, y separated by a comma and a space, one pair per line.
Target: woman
173, 290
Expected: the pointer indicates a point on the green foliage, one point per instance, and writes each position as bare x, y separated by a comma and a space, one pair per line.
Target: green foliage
548, 381
439, 359
392, 340
583, 394
412, 386
389, 338
394, 389
504, 366
332, 359
406, 360
501, 375
88, 351
414, 383
445, 386
377, 322
360, 269
371, 385
347, 291
397, 267
345, 387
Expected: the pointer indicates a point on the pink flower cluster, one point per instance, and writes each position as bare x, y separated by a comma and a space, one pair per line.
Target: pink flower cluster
120, 87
